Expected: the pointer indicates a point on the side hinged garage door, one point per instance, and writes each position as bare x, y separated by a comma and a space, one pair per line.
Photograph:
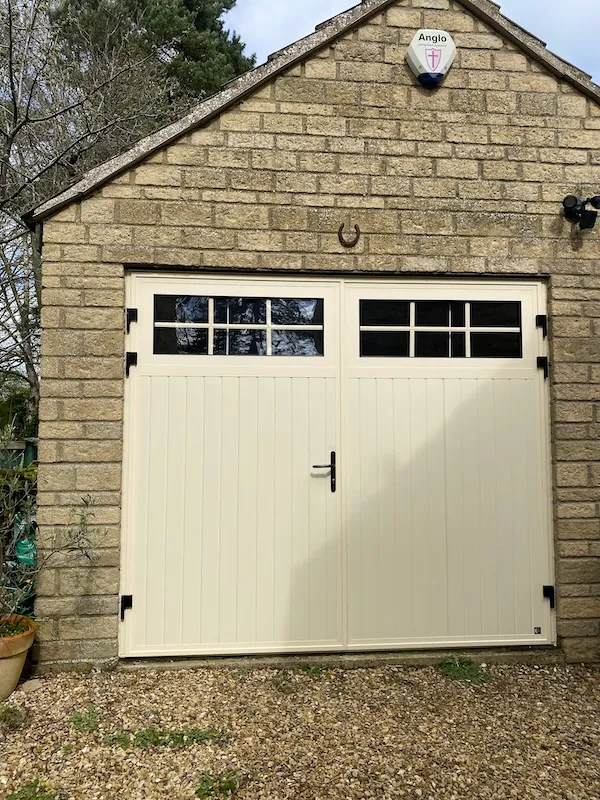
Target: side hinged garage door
316, 465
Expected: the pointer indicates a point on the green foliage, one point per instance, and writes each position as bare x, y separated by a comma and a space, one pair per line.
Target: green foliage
189, 36
462, 670
38, 790
85, 721
224, 784
12, 628
14, 411
314, 671
11, 718
154, 737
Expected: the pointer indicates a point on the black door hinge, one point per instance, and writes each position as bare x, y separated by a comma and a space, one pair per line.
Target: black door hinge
550, 594
543, 362
126, 604
541, 321
131, 360
131, 317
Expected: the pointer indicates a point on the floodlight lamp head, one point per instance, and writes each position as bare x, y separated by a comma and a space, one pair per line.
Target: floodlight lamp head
575, 211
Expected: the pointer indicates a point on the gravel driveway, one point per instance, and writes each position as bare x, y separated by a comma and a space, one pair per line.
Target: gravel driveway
387, 732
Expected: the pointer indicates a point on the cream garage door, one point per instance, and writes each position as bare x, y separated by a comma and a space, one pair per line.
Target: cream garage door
328, 465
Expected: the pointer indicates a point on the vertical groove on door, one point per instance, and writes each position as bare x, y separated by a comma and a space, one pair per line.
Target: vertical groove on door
174, 511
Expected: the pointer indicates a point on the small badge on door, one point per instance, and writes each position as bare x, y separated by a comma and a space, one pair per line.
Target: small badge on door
537, 631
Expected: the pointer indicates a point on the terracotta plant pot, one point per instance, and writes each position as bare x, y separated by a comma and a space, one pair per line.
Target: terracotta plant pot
13, 652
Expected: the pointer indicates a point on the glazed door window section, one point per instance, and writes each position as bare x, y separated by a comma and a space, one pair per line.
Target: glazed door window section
238, 326
440, 329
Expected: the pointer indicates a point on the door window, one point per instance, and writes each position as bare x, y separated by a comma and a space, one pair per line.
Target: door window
238, 326
440, 329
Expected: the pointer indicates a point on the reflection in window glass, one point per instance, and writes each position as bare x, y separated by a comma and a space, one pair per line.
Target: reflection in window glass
459, 345
384, 344
433, 314
496, 345
240, 311
174, 308
180, 341
384, 312
296, 312
432, 345
297, 343
240, 343
495, 315
458, 314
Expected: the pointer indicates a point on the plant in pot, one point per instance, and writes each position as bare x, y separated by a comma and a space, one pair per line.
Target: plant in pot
21, 562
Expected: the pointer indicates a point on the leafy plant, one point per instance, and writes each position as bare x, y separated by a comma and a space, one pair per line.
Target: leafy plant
85, 721
38, 790
11, 718
462, 670
20, 560
224, 784
154, 737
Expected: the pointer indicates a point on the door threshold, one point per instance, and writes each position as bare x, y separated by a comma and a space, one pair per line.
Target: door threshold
544, 655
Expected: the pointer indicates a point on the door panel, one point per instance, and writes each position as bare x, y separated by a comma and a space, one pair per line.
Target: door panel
234, 539
447, 512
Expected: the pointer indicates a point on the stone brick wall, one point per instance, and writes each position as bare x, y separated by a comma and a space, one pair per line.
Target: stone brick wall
465, 180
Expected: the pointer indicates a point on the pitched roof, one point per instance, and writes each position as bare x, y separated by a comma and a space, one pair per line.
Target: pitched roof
326, 33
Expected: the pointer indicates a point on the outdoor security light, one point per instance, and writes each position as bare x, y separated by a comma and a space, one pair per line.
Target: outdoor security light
575, 210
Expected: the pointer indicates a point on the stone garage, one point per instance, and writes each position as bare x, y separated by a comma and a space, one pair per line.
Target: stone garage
325, 356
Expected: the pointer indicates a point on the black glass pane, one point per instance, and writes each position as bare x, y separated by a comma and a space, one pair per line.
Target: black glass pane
240, 343
433, 314
297, 343
180, 341
496, 345
384, 344
459, 345
297, 312
384, 312
458, 315
173, 308
495, 315
432, 345
240, 311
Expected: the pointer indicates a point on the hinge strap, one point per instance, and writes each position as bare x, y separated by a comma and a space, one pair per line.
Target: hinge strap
550, 594
126, 604
131, 317
131, 360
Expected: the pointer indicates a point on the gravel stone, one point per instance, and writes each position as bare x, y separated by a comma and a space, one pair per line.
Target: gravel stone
389, 732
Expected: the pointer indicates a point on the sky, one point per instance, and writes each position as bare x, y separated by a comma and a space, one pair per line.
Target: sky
569, 28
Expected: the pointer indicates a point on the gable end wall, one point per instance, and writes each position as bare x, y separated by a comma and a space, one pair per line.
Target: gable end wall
466, 180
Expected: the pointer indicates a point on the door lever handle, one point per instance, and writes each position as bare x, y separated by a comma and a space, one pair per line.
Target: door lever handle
332, 467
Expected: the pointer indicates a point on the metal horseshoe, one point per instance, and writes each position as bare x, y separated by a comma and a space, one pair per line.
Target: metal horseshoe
348, 242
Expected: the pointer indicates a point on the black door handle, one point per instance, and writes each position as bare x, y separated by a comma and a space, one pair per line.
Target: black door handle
332, 467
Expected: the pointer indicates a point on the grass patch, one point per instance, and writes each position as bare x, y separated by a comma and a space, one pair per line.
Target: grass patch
284, 682
462, 670
154, 737
11, 718
38, 790
314, 671
85, 721
225, 784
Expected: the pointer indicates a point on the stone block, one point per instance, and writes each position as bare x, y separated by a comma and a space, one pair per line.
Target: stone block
579, 570
91, 628
80, 581
98, 210
581, 650
578, 529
